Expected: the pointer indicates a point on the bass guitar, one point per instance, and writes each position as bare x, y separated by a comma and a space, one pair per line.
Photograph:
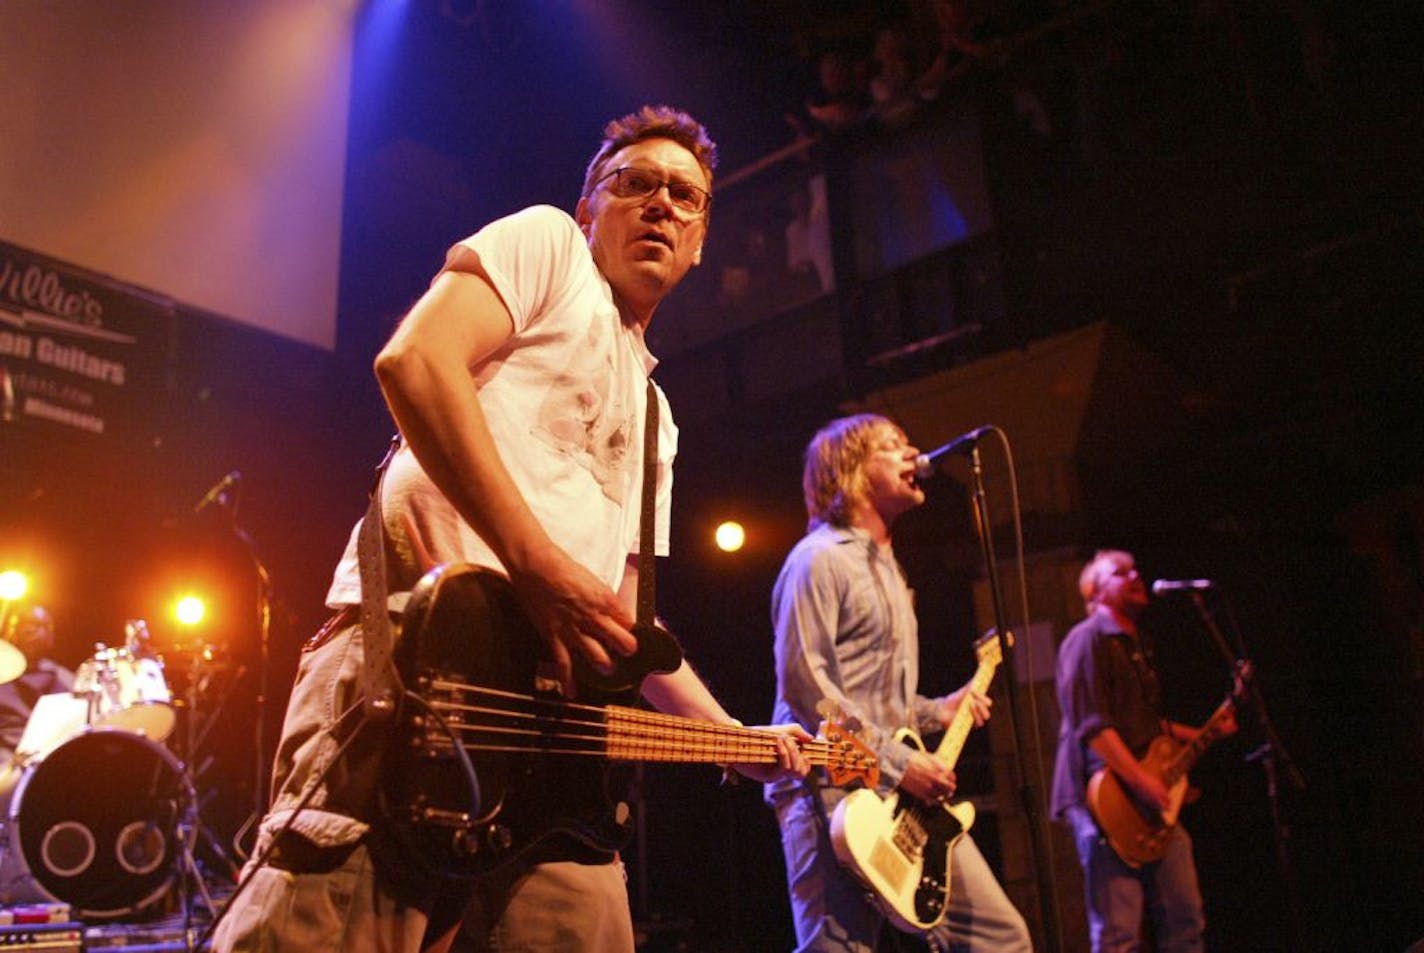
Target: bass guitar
488, 761
899, 845
1139, 832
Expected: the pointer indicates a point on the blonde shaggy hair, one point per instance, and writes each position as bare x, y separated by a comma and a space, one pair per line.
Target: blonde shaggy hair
833, 479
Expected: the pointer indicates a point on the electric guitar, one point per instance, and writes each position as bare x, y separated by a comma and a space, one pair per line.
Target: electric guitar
1138, 832
899, 846
488, 761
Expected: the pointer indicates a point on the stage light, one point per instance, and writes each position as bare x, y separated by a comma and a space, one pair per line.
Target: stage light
190, 610
730, 536
13, 585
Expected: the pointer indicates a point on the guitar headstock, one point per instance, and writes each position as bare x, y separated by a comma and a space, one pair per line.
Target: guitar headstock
847, 757
1223, 721
987, 649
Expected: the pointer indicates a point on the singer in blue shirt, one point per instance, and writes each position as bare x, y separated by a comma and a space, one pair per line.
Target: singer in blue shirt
846, 633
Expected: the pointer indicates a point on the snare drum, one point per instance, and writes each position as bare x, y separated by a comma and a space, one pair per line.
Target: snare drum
93, 824
126, 692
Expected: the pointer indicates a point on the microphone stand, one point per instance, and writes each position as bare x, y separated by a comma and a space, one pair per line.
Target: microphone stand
1028, 791
228, 504
264, 637
1271, 755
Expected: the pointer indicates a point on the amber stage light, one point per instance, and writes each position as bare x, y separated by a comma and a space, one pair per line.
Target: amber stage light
730, 536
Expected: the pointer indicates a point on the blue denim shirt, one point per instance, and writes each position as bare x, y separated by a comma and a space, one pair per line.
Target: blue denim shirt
846, 633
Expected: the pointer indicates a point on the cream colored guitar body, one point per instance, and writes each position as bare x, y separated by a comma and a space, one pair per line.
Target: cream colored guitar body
898, 845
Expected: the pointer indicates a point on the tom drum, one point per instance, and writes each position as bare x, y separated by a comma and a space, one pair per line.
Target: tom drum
126, 692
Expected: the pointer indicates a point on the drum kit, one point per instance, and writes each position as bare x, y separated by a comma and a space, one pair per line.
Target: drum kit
95, 811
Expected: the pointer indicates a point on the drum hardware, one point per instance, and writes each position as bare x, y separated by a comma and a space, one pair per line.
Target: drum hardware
114, 853
12, 662
126, 687
121, 849
198, 687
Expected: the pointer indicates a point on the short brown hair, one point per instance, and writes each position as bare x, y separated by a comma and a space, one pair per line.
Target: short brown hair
833, 479
1088, 577
652, 122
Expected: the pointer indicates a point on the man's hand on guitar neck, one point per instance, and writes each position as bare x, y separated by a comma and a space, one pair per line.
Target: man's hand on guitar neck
979, 705
790, 760
1225, 726
927, 779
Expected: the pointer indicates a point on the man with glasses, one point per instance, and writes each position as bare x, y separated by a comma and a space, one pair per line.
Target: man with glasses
1110, 704
519, 382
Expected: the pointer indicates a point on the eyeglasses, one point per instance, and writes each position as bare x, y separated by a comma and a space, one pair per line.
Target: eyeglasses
635, 183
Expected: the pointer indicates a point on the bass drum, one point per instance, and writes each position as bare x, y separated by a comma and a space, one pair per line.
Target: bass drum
94, 825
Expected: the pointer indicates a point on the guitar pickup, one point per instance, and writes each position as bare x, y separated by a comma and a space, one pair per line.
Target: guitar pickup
910, 837
442, 693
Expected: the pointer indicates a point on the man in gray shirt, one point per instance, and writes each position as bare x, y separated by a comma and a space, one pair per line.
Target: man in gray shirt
846, 633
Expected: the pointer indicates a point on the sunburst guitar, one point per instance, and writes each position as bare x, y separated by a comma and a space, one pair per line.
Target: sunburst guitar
898, 845
1137, 832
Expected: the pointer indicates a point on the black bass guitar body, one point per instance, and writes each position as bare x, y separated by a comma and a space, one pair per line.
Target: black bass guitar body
488, 761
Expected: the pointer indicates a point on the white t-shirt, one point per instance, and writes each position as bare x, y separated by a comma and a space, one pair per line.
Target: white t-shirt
565, 399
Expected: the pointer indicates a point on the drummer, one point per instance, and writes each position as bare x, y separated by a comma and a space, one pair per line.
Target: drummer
29, 628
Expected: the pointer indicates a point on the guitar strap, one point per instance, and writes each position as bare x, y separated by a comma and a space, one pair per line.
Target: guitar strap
812, 787
379, 679
647, 538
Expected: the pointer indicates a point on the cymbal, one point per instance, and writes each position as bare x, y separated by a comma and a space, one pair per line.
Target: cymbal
12, 662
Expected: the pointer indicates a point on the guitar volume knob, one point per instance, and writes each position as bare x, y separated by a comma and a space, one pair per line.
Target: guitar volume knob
467, 842
499, 837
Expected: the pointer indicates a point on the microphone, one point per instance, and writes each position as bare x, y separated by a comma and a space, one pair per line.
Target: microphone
1162, 586
926, 463
220, 492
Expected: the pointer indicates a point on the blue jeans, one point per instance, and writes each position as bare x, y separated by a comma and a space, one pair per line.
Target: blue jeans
1117, 894
833, 911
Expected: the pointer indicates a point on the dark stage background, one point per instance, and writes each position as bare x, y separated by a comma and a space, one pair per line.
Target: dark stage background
1226, 196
